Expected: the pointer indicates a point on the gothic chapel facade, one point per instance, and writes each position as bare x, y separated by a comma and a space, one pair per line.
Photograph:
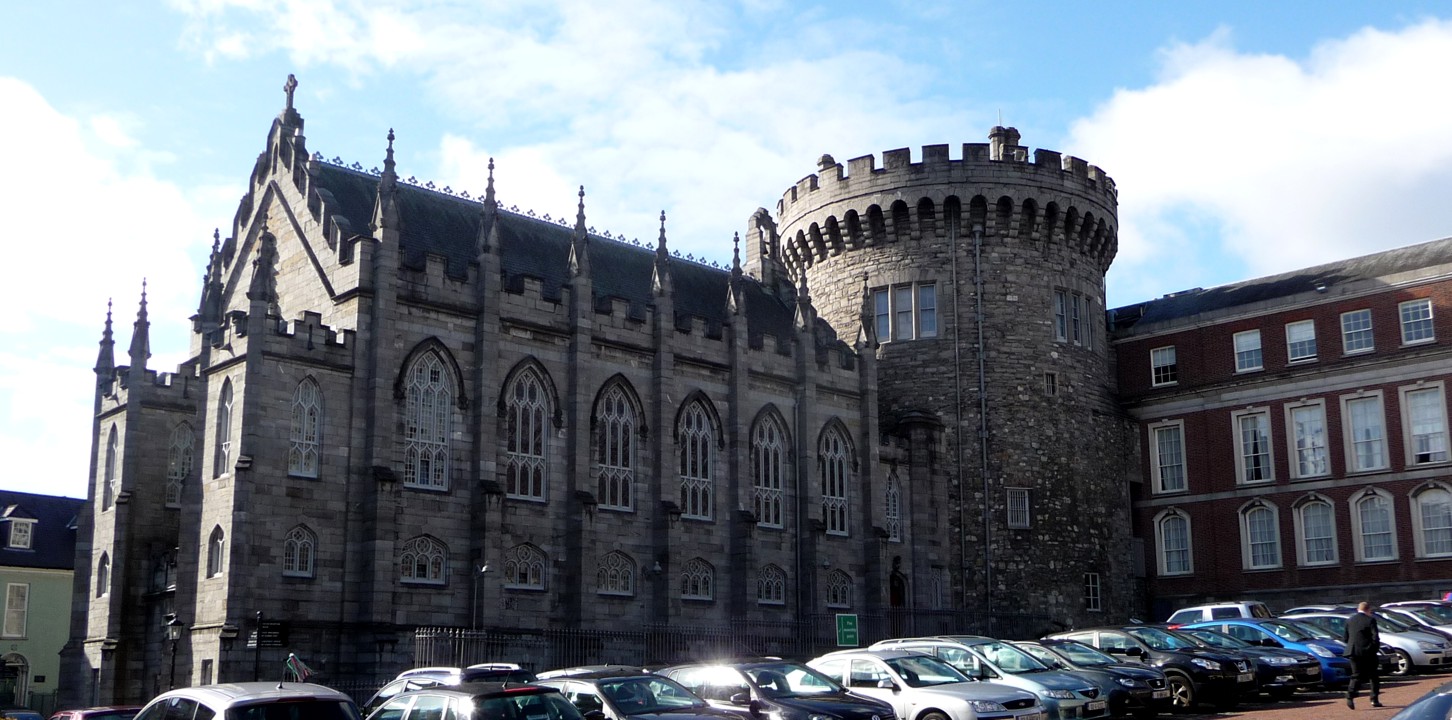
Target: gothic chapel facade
894, 406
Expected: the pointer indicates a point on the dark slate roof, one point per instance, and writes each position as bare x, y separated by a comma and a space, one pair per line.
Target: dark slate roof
53, 542
436, 223
1200, 301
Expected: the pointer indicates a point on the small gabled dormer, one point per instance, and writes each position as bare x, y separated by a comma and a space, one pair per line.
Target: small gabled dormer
17, 527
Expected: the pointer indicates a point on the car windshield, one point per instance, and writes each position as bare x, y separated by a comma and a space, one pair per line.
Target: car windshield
924, 671
1212, 638
788, 679
1287, 631
1443, 613
303, 709
648, 694
1427, 618
1390, 624
521, 706
1008, 658
1045, 656
1160, 639
1084, 655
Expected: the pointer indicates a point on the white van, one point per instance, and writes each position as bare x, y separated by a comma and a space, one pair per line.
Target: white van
1220, 611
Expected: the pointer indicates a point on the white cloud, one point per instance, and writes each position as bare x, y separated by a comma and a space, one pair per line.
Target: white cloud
86, 215
1293, 162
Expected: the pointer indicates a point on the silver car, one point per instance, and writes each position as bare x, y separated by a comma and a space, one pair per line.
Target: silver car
1063, 694
252, 701
921, 687
1415, 649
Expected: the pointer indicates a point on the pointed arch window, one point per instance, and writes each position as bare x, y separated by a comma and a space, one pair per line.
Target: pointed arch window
698, 581
103, 576
526, 412
108, 480
771, 586
615, 449
698, 444
178, 462
427, 423
307, 420
423, 561
892, 507
524, 568
768, 471
216, 552
839, 589
222, 459
299, 553
835, 462
615, 575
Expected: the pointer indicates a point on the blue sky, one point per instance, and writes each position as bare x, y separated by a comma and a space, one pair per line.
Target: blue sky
1246, 138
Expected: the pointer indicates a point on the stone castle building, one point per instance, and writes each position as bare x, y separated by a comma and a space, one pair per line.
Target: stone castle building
408, 408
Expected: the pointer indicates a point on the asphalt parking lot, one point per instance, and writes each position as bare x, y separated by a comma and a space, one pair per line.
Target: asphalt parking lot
1396, 693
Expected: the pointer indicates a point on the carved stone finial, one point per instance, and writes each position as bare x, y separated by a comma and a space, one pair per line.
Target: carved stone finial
660, 246
290, 87
489, 188
736, 252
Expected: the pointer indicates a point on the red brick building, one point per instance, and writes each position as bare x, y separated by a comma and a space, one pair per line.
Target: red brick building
1293, 433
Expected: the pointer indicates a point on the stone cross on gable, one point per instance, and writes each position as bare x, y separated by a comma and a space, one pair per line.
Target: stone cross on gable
288, 87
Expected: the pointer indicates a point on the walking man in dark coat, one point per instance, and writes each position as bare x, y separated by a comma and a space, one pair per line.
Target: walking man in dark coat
1362, 643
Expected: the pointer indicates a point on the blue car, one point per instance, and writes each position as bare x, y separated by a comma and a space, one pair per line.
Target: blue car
1335, 668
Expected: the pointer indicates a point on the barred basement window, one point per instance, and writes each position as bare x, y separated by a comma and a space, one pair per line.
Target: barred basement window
1051, 384
526, 410
178, 462
524, 568
615, 445
698, 580
771, 586
299, 551
839, 589
427, 424
423, 561
615, 575
697, 436
307, 412
892, 509
1018, 508
768, 468
1092, 592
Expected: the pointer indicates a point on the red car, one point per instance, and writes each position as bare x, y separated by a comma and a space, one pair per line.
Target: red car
99, 713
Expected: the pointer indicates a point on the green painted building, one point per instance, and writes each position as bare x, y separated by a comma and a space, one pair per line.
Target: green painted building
37, 561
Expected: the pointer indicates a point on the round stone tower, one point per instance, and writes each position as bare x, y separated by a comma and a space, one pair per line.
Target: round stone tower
981, 281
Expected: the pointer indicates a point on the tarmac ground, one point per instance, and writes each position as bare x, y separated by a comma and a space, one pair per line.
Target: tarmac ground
1396, 693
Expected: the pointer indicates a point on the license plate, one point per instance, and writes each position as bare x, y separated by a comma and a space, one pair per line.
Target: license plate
1161, 694
1098, 705
1033, 716
1245, 677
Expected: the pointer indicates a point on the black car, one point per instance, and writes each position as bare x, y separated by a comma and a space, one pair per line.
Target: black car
479, 701
1194, 673
620, 693
777, 689
1278, 671
1133, 689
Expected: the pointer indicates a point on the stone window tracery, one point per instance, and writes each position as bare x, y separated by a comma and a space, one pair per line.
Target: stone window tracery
427, 423
697, 437
307, 419
615, 575
422, 561
768, 470
524, 568
892, 509
839, 589
771, 586
299, 552
179, 457
526, 415
836, 471
616, 429
698, 580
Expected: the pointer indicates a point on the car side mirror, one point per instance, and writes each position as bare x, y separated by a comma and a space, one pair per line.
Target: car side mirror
741, 698
754, 707
887, 684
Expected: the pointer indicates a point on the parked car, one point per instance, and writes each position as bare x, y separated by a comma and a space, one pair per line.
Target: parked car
252, 701
1385, 658
922, 687
1278, 672
114, 712
1335, 669
477, 701
777, 689
1303, 609
1435, 705
1440, 608
20, 714
1218, 611
402, 685
1412, 649
1132, 689
1194, 673
1063, 694
620, 693
1417, 616
427, 677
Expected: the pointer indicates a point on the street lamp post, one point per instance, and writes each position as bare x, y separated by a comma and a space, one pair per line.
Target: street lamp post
174, 628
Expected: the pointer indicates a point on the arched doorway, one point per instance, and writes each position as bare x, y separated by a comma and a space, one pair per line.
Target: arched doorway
14, 678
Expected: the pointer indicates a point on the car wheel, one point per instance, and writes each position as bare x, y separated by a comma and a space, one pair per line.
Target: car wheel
1182, 691
1402, 664
935, 715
